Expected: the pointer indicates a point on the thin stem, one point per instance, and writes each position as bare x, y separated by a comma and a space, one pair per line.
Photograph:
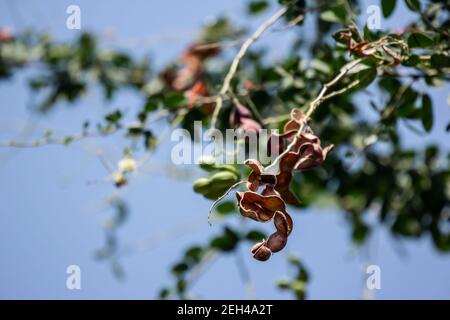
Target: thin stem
390, 108
237, 59
276, 119
60, 141
252, 106
245, 275
221, 197
207, 260
292, 23
341, 91
105, 132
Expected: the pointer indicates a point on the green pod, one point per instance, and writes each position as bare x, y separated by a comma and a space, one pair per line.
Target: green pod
228, 167
214, 194
208, 164
201, 185
224, 178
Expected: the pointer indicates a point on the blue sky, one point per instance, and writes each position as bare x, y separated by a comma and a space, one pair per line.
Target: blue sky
51, 215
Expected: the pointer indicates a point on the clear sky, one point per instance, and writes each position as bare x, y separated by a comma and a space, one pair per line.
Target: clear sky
51, 211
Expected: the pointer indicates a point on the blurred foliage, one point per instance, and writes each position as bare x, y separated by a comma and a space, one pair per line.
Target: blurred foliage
297, 285
196, 258
370, 170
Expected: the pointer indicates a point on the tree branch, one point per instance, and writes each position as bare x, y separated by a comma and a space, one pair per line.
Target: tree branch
237, 59
274, 167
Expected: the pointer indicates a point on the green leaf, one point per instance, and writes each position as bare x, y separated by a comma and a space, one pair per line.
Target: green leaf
365, 72
67, 140
419, 40
413, 5
220, 29
181, 285
407, 226
180, 268
412, 61
194, 254
164, 293
321, 66
388, 7
114, 117
389, 84
283, 284
227, 241
255, 235
360, 233
427, 112
336, 14
150, 141
257, 6
407, 105
174, 100
226, 207
440, 60
150, 106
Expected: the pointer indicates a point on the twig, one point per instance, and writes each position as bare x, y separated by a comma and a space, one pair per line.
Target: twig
108, 166
276, 119
52, 141
274, 167
245, 275
231, 43
237, 59
252, 106
291, 23
104, 132
340, 91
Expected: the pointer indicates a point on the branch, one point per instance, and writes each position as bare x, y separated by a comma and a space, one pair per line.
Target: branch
57, 141
104, 132
274, 167
341, 91
237, 59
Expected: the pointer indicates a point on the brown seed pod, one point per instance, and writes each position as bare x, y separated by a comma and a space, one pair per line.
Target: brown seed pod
261, 252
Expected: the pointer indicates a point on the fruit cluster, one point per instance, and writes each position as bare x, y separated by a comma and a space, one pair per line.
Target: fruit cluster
298, 149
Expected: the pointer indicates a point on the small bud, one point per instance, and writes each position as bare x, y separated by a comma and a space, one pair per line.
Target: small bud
119, 179
127, 165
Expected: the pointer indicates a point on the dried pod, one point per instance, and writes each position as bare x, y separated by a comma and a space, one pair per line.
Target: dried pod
261, 252
259, 207
241, 118
257, 177
305, 151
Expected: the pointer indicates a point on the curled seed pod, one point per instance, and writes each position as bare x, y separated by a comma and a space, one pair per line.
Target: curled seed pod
276, 242
283, 223
305, 151
257, 177
259, 207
